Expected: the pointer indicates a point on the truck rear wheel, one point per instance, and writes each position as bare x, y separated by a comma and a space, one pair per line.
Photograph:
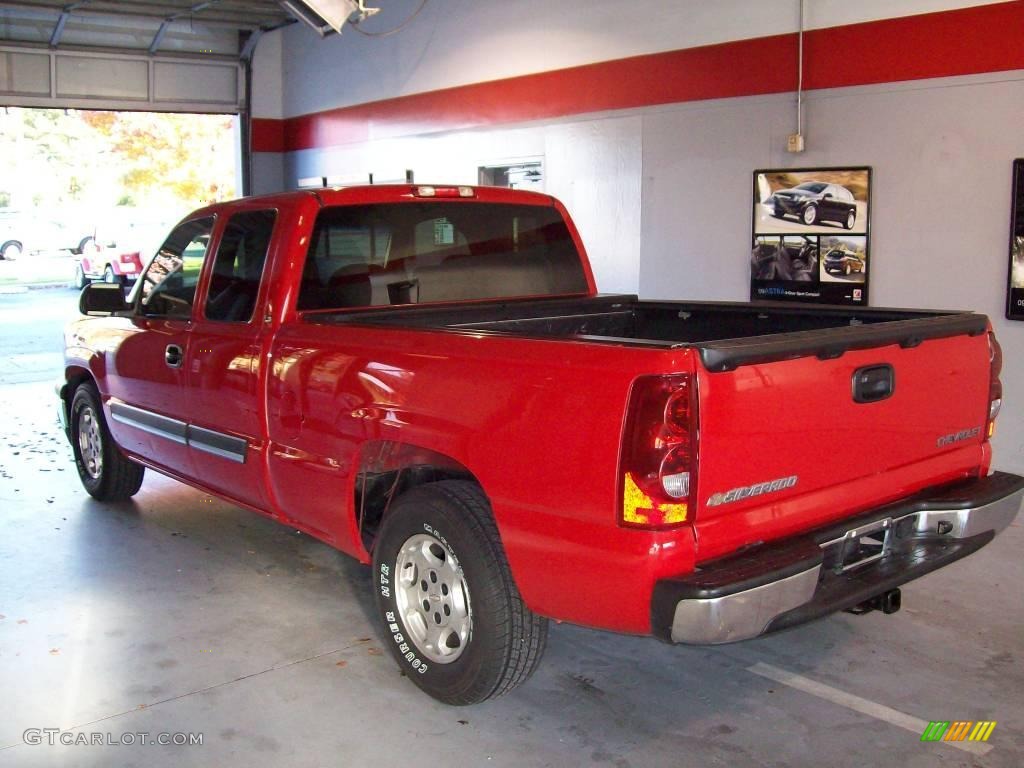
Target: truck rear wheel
452, 615
106, 473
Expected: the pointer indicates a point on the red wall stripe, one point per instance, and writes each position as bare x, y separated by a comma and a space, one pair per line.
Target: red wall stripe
961, 42
969, 41
267, 135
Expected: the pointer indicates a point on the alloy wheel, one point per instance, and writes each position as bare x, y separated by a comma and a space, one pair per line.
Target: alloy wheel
433, 598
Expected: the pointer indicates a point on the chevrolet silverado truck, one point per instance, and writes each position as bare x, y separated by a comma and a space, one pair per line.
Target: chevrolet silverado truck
426, 378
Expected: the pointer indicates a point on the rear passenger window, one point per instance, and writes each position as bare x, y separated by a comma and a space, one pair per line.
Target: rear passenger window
238, 266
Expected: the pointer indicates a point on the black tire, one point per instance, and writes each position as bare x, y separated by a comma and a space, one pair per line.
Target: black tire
810, 215
114, 477
11, 250
500, 644
851, 219
109, 276
80, 279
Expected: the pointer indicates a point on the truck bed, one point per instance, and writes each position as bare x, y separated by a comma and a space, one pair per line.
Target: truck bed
726, 335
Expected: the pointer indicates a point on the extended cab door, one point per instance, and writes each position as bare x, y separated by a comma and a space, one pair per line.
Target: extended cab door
146, 376
225, 362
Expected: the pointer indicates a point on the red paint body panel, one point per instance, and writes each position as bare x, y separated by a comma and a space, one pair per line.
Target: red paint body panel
944, 44
537, 421
764, 422
531, 419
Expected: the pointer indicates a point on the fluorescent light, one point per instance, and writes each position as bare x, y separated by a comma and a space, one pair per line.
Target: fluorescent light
338, 12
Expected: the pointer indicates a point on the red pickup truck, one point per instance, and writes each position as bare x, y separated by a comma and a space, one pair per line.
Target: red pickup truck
426, 378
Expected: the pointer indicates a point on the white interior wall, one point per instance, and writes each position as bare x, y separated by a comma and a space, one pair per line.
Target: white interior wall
268, 103
268, 76
457, 42
592, 166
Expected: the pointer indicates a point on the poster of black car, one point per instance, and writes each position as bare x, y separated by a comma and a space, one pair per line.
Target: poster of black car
802, 215
1015, 289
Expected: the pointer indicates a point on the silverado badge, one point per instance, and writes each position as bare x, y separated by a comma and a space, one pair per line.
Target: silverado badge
758, 489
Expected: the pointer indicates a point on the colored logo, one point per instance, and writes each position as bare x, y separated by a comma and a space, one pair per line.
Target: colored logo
958, 730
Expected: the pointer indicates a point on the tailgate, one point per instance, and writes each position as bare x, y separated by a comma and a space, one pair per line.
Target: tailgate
785, 445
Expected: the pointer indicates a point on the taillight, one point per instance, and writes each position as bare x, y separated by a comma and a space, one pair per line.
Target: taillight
659, 452
995, 386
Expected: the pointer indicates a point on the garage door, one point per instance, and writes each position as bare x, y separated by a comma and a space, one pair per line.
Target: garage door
142, 55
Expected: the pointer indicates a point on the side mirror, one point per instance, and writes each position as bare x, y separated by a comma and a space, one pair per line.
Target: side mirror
102, 298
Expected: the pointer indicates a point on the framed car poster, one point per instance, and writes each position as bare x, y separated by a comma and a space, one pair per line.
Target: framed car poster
810, 235
1015, 288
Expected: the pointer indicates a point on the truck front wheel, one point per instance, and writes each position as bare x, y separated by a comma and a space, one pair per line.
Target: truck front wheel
106, 473
452, 615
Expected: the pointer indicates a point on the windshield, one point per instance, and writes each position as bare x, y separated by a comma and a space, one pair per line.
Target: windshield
812, 186
415, 253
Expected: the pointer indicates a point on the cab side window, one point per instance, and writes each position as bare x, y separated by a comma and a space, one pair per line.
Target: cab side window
169, 284
238, 266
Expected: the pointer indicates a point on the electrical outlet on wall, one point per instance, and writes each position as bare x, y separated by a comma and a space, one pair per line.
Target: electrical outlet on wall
795, 142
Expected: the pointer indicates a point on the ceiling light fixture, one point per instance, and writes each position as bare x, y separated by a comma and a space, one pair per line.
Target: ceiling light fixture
321, 14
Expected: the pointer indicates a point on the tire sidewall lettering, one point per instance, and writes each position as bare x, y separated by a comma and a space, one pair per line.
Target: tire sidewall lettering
385, 583
406, 650
429, 529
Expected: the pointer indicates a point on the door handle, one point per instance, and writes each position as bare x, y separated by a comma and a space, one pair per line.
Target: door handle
173, 356
873, 383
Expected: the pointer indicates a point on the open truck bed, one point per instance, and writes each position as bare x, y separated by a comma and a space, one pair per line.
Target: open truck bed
726, 335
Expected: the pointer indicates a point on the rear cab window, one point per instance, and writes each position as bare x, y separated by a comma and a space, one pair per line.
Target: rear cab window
414, 253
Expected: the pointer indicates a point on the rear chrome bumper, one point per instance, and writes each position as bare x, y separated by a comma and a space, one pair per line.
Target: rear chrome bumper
780, 584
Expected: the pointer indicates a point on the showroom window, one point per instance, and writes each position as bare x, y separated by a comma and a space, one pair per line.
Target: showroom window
521, 174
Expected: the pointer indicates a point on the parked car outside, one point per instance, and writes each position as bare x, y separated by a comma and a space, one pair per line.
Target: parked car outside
111, 265
128, 244
24, 232
816, 201
842, 260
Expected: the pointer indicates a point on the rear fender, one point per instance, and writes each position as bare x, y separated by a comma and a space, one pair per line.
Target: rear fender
388, 468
